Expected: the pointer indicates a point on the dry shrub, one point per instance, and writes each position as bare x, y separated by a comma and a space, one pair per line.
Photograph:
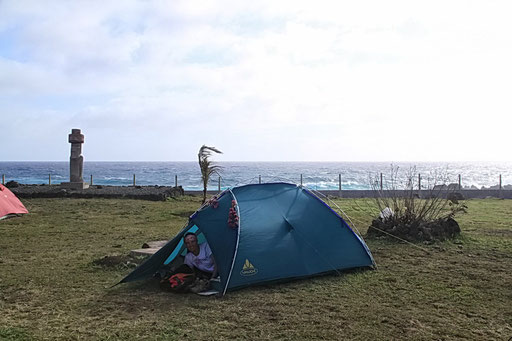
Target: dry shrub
413, 213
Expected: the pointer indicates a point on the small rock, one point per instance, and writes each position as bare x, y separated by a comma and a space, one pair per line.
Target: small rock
12, 184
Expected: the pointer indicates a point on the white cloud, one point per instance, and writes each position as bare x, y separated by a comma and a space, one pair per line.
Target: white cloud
269, 80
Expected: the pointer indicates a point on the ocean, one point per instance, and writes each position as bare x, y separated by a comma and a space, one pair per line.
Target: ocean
315, 175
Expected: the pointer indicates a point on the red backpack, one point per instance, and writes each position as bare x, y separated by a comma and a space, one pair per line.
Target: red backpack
178, 282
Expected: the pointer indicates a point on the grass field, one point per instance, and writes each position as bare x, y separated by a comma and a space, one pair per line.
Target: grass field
50, 288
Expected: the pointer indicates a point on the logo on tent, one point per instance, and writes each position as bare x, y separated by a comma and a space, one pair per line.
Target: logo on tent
248, 269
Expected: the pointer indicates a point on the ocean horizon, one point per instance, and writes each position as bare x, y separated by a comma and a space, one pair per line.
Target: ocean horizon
355, 175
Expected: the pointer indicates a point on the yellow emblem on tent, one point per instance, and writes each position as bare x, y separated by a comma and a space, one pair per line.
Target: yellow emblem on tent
248, 269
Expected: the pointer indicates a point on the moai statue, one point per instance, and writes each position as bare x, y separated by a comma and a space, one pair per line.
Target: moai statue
76, 162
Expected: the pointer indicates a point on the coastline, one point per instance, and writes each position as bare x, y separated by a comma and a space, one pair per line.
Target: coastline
315, 175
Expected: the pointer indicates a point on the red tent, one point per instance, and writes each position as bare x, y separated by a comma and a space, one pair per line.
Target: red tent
9, 204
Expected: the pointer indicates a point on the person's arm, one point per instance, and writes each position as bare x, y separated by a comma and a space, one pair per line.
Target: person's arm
209, 253
188, 262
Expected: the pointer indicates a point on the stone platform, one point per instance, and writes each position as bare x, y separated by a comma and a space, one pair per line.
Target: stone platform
74, 185
154, 193
148, 249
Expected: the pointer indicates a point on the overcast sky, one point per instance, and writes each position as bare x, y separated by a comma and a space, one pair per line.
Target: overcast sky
260, 80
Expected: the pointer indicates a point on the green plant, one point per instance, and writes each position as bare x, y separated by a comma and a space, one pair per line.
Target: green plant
207, 166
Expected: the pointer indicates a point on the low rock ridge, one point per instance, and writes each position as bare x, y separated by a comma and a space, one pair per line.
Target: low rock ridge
153, 193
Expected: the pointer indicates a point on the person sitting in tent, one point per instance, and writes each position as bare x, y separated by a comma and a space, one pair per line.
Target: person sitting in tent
199, 257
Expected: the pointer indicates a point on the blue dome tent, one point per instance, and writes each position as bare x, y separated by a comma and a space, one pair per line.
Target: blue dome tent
284, 231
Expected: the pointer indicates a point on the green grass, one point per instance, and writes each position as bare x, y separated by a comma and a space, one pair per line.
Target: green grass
51, 290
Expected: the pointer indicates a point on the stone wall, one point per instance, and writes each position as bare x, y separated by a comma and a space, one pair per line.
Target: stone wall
466, 193
154, 193
157, 193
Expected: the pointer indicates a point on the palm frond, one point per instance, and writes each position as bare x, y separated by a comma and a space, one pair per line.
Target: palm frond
205, 152
207, 167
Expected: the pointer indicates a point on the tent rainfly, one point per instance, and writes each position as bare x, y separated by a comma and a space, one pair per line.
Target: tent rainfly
283, 231
10, 205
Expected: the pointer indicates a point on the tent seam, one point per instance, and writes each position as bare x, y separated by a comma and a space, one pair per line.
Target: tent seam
237, 242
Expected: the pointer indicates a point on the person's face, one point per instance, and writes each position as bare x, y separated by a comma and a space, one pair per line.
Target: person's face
191, 243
